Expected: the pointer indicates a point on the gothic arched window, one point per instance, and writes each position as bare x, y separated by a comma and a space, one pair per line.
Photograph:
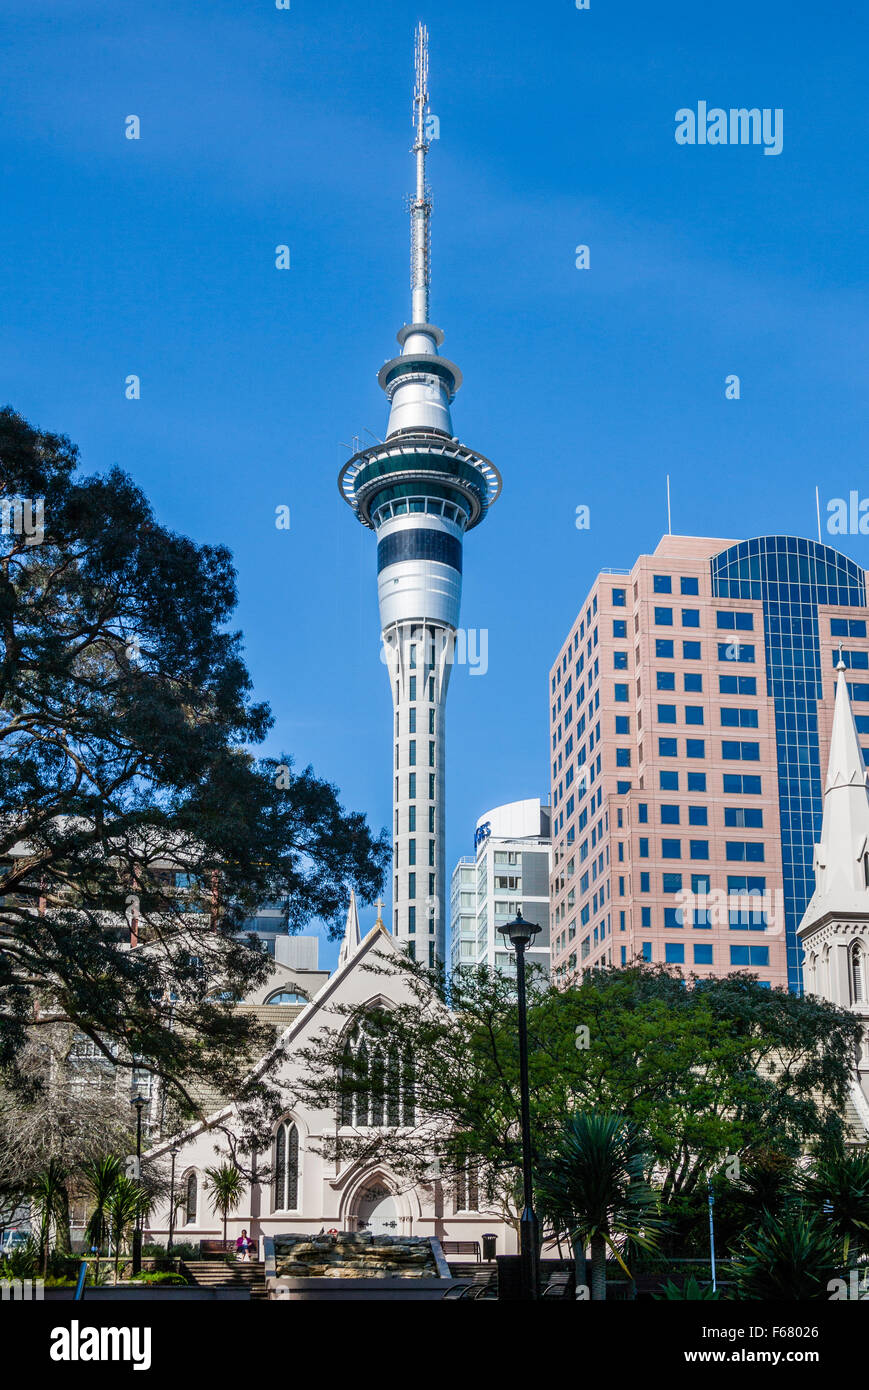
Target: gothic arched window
467, 1186
285, 1188
855, 973
191, 1200
376, 1081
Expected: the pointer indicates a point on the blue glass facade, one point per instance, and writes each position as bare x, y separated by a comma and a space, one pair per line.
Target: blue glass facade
791, 576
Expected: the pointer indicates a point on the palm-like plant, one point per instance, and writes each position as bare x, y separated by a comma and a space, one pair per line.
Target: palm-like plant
99, 1176
49, 1196
126, 1201
226, 1186
840, 1182
594, 1190
793, 1256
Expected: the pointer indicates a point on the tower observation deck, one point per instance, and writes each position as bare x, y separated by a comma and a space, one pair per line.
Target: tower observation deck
419, 491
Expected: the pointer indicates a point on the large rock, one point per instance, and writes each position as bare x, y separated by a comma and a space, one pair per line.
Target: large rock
354, 1255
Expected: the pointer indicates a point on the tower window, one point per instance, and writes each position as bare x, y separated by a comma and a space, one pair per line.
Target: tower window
856, 974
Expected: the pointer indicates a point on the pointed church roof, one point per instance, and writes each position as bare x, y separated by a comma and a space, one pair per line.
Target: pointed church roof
840, 879
352, 934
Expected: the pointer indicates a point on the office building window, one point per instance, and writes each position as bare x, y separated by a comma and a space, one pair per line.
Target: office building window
696, 781
742, 784
647, 950
664, 617
750, 817
748, 752
737, 685
738, 718
666, 714
623, 757
669, 815
688, 584
693, 683
698, 815
674, 953
703, 955
749, 850
671, 849
621, 694
699, 849
749, 955
735, 651
695, 748
665, 680
668, 781
663, 647
738, 622
690, 617
847, 627
693, 714
618, 598
667, 747
662, 584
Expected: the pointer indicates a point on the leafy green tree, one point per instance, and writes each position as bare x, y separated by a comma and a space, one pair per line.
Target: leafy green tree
594, 1190
704, 1069
838, 1186
226, 1187
132, 803
792, 1256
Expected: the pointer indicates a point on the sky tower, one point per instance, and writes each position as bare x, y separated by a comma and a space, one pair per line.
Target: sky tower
419, 491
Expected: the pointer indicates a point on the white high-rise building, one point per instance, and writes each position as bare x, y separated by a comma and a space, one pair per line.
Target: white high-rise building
420, 490
508, 874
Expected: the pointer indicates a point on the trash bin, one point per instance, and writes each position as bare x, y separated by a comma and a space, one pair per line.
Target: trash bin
489, 1243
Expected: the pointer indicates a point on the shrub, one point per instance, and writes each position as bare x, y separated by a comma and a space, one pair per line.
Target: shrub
690, 1290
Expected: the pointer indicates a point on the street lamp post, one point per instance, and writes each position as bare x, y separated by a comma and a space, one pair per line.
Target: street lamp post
174, 1153
520, 934
139, 1102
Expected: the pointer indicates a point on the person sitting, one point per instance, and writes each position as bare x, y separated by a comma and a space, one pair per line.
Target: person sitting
243, 1247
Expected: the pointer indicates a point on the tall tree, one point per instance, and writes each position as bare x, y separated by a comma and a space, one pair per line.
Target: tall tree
131, 801
707, 1070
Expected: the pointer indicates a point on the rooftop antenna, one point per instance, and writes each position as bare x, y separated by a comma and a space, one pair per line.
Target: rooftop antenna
818, 510
420, 208
669, 521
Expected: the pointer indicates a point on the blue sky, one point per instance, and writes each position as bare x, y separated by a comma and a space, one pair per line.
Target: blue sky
261, 127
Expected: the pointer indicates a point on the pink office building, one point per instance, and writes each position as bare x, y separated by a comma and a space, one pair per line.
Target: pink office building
691, 708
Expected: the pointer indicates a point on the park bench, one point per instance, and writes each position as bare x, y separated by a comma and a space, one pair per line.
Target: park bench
218, 1249
462, 1247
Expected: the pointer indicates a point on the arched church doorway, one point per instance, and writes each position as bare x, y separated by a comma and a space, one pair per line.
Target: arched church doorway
376, 1210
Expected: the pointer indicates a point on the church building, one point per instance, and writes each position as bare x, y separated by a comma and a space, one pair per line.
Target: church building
835, 928
306, 1193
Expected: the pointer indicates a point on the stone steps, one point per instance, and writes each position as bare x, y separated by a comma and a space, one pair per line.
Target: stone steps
214, 1273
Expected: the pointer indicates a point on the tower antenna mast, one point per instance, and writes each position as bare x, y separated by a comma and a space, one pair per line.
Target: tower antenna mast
420, 208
